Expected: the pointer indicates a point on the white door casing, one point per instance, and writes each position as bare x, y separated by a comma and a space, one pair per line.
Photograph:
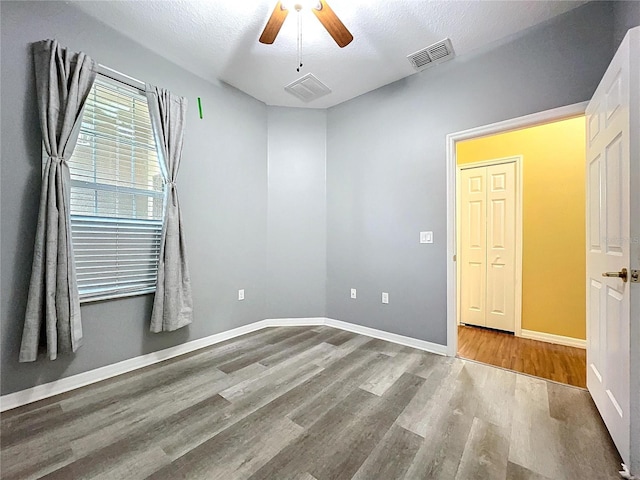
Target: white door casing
487, 238
608, 246
453, 207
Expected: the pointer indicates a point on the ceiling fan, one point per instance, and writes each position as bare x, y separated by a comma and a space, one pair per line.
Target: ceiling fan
321, 10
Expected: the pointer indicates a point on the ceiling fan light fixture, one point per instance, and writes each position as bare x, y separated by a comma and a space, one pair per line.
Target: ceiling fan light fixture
301, 5
320, 9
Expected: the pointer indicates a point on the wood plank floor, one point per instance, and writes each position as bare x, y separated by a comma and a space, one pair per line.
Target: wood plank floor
547, 360
309, 403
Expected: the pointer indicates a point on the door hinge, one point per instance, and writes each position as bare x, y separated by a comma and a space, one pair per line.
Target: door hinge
635, 276
455, 258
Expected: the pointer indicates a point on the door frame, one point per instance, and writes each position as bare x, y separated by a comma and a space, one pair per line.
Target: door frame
540, 118
517, 159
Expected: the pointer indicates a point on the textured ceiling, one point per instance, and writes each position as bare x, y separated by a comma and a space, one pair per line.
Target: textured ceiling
218, 39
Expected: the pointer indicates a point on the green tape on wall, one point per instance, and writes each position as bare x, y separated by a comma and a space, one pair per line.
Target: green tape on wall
200, 107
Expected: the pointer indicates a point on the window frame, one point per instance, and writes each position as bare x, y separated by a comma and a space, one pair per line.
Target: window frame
115, 76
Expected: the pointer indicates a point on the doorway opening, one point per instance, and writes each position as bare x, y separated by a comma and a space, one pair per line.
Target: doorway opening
519, 245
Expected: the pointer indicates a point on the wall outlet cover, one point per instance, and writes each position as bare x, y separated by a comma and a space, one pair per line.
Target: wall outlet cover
241, 294
385, 297
353, 293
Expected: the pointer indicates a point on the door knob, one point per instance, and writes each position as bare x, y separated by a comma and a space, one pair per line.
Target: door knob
621, 274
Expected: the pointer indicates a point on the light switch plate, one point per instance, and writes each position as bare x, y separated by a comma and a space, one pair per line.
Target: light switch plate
353, 293
241, 294
385, 297
426, 237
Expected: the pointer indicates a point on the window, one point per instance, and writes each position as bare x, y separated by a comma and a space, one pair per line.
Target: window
116, 194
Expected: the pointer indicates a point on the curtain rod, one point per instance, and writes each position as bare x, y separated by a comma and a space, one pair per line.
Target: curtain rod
121, 77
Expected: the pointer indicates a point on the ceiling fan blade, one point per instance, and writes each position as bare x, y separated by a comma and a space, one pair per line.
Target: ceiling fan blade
274, 24
333, 24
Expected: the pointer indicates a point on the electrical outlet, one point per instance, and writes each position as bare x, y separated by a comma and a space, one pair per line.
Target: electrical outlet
353, 293
426, 237
385, 297
241, 294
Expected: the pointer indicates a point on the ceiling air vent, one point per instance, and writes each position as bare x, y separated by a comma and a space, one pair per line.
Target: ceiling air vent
432, 55
308, 88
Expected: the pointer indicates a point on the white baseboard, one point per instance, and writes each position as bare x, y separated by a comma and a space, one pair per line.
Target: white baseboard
39, 392
389, 337
551, 338
296, 322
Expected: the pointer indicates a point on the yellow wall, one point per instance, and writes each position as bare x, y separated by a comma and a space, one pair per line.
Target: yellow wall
553, 259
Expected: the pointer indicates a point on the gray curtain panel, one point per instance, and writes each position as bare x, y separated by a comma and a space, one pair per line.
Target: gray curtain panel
63, 82
173, 303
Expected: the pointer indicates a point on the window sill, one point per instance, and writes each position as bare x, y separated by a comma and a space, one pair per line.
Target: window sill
115, 296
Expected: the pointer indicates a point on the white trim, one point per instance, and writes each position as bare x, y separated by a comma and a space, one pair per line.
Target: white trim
551, 338
112, 296
121, 77
388, 336
296, 322
513, 124
519, 244
39, 392
489, 163
517, 159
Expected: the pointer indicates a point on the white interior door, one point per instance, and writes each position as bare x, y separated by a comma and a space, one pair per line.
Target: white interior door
488, 245
608, 245
501, 246
473, 246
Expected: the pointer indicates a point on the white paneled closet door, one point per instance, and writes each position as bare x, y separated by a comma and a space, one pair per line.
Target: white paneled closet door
501, 246
488, 246
473, 246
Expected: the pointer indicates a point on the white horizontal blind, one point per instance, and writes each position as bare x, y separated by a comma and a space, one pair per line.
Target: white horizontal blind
116, 194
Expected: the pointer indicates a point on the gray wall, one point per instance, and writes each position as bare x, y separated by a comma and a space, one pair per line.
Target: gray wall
386, 163
222, 185
626, 15
296, 234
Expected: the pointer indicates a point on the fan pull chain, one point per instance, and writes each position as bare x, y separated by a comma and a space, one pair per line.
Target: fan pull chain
299, 41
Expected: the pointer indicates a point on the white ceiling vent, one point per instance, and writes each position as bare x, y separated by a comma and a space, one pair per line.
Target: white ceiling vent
432, 55
308, 88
